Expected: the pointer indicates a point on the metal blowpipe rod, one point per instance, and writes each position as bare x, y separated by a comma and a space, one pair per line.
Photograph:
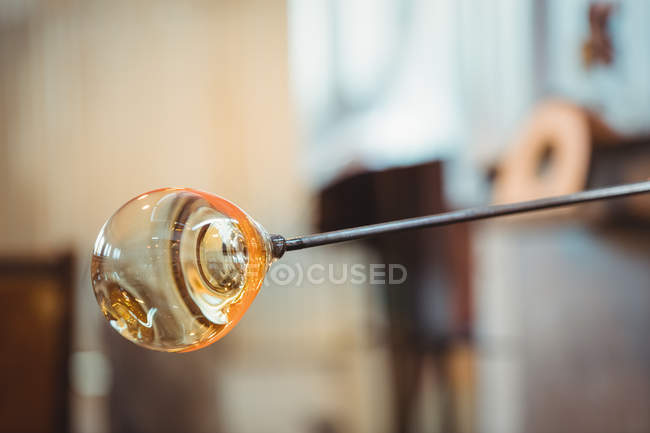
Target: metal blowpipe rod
465, 215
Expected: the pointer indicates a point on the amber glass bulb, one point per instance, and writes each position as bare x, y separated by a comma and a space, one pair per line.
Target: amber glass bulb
175, 269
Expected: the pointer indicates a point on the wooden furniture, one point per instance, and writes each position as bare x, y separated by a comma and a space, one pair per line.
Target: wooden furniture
429, 314
35, 330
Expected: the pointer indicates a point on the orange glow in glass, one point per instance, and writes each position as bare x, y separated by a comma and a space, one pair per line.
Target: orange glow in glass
175, 269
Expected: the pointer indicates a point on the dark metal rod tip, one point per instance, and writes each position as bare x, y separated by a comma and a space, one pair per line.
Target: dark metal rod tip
278, 246
465, 215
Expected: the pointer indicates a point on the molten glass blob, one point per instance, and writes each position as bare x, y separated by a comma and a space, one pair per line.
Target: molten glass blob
175, 269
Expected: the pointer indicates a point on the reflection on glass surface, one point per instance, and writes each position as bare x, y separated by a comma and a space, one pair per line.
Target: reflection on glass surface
175, 269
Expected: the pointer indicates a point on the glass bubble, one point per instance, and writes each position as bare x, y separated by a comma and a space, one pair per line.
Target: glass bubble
175, 269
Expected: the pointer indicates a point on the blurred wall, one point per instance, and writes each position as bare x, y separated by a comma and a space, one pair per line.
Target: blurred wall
100, 101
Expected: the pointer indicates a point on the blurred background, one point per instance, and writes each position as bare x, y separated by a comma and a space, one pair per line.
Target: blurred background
323, 114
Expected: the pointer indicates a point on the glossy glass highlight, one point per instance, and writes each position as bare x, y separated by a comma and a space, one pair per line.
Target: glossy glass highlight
175, 269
